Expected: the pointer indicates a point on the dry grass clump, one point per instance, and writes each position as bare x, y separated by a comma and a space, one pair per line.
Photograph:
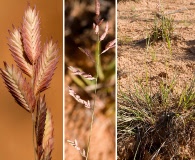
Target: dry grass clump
38, 65
162, 29
156, 125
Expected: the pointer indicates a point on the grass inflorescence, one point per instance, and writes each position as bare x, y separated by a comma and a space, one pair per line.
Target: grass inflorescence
37, 64
90, 82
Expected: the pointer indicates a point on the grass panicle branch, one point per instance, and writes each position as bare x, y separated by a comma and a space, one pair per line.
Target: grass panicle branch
76, 71
75, 145
110, 45
88, 53
78, 98
105, 32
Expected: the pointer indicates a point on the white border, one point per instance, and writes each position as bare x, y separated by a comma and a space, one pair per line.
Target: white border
63, 75
116, 55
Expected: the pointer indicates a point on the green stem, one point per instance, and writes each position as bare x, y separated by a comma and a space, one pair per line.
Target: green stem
91, 128
98, 62
98, 70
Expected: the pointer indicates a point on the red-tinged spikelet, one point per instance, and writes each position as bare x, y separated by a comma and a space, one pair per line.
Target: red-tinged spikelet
48, 140
105, 32
87, 52
78, 98
18, 87
97, 7
16, 47
76, 71
31, 34
110, 45
45, 67
75, 145
40, 124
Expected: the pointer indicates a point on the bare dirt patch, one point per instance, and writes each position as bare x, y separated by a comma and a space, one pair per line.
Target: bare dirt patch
135, 21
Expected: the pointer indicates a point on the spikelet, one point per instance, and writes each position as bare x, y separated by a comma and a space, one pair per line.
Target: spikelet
97, 7
75, 145
40, 124
16, 47
98, 21
31, 34
48, 140
105, 32
96, 28
45, 67
87, 52
76, 71
110, 45
18, 87
78, 98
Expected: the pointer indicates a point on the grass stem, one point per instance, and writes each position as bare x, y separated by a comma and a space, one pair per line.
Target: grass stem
98, 72
33, 138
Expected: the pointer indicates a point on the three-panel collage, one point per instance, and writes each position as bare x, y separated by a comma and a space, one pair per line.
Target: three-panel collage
97, 80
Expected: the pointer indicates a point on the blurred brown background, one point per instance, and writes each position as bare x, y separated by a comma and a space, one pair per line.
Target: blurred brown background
79, 18
15, 122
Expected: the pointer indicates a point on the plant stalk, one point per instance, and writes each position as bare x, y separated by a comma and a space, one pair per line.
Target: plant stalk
98, 68
34, 144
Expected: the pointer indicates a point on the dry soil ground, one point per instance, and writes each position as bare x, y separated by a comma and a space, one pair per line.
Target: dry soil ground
135, 22
157, 62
